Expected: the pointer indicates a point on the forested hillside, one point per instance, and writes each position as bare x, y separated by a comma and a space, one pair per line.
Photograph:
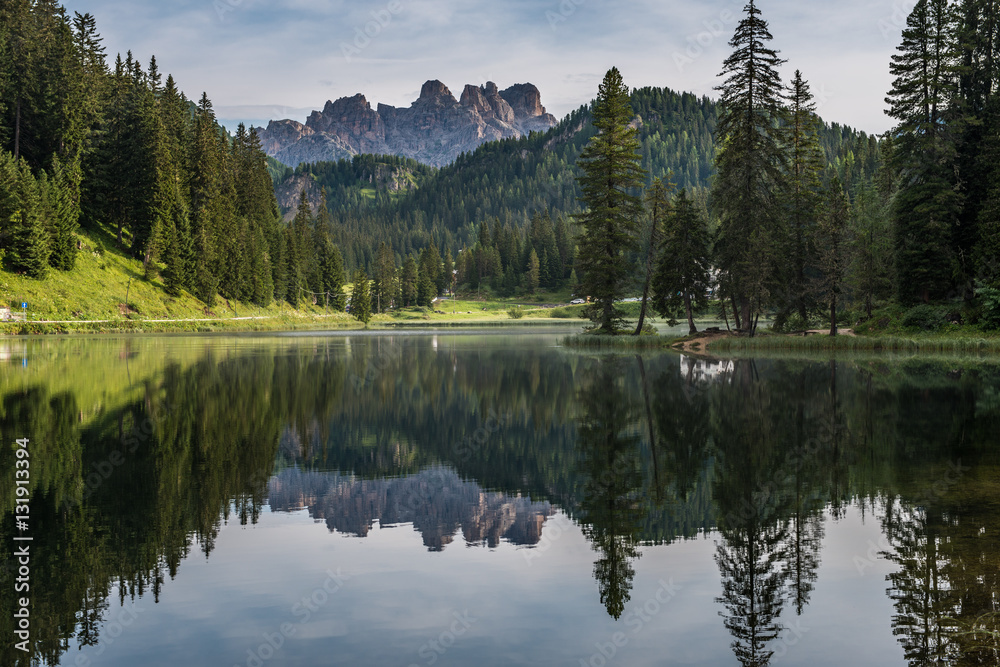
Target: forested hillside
511, 180
90, 149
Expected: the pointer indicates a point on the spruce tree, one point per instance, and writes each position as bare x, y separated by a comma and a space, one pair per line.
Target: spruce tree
361, 299
928, 203
611, 176
870, 256
832, 232
28, 250
658, 206
802, 198
384, 284
447, 270
683, 267
173, 271
408, 282
334, 277
750, 166
429, 274
532, 277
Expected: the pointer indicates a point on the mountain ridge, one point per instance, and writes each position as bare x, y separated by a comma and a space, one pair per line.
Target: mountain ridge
434, 130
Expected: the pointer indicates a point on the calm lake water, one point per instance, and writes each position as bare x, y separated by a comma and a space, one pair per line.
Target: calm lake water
495, 499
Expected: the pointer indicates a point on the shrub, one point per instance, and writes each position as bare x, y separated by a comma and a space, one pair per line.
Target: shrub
565, 313
928, 318
989, 307
515, 312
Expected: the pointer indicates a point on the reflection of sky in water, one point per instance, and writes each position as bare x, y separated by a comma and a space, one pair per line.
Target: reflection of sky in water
530, 607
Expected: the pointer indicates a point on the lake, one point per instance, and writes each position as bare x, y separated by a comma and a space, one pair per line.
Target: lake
493, 498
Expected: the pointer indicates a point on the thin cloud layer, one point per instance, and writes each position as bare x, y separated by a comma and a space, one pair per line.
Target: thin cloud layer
258, 57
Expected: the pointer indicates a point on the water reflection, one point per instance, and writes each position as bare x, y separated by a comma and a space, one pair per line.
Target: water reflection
610, 464
137, 467
436, 501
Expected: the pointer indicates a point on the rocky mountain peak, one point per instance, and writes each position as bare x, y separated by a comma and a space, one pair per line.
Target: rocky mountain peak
434, 130
436, 92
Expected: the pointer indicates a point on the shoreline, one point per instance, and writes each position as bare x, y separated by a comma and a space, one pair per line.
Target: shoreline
260, 324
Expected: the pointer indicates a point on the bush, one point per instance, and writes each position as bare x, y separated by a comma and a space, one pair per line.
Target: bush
566, 312
928, 318
989, 307
515, 312
793, 322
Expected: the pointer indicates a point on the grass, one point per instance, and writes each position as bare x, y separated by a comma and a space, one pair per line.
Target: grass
91, 298
619, 342
854, 343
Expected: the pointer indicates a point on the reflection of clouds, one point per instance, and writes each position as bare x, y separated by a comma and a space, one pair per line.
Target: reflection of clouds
436, 501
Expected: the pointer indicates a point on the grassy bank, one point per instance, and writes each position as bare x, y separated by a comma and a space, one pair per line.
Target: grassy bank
287, 322
854, 343
623, 342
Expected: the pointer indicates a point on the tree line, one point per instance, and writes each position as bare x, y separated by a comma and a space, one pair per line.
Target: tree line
119, 151
375, 199
796, 242
789, 233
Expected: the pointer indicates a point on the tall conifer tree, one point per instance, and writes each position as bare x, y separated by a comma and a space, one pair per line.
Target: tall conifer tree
611, 178
922, 100
750, 167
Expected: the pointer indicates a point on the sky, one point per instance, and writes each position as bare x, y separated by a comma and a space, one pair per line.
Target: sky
271, 59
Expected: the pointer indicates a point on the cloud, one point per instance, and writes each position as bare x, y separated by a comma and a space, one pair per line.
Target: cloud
256, 52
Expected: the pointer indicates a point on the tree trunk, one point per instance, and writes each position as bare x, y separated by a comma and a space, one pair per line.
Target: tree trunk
833, 314
692, 329
736, 313
649, 424
17, 130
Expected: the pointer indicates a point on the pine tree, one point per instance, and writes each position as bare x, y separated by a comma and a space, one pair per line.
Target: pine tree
384, 284
832, 234
928, 203
361, 300
683, 268
28, 249
805, 163
408, 282
532, 277
611, 175
334, 277
750, 166
174, 269
978, 77
870, 270
658, 206
65, 202
447, 269
429, 273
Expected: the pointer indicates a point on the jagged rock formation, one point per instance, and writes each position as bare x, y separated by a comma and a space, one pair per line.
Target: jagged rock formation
436, 501
434, 130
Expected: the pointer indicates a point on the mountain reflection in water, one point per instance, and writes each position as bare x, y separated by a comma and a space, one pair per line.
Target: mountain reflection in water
144, 448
